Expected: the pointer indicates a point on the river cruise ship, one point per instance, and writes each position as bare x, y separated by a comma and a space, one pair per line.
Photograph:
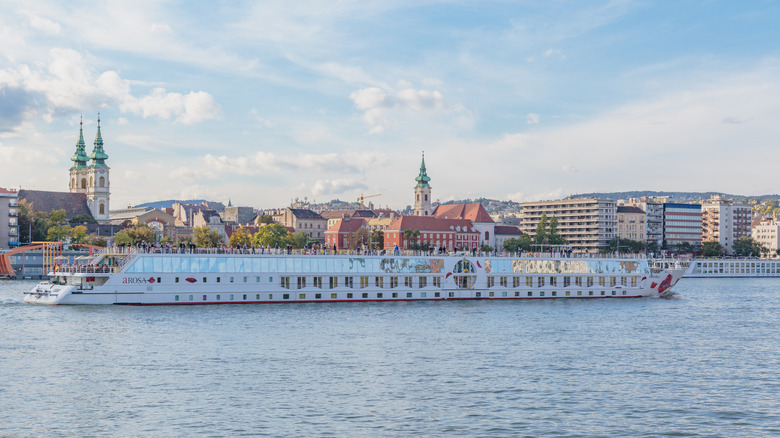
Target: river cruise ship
155, 279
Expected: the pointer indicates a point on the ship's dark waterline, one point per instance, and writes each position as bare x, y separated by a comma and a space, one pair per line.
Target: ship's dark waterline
702, 363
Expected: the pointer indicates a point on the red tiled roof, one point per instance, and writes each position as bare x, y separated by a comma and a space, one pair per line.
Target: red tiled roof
348, 226
6, 191
333, 214
429, 223
507, 230
474, 212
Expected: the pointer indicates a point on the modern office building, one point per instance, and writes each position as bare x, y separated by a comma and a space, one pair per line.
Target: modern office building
682, 223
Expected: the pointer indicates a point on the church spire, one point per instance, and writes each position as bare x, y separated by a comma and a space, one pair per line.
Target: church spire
80, 157
423, 178
98, 154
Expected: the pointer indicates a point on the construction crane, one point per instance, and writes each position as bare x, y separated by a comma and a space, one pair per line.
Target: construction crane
362, 197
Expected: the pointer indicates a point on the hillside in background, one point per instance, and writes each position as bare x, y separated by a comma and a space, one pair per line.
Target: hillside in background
680, 196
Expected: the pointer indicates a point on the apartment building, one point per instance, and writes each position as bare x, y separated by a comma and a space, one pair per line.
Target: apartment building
9, 218
767, 233
654, 212
631, 223
725, 221
587, 224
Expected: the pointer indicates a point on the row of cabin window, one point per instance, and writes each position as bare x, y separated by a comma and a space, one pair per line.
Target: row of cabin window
567, 281
361, 283
380, 295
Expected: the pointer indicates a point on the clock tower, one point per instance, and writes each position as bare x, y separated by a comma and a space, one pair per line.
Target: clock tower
422, 192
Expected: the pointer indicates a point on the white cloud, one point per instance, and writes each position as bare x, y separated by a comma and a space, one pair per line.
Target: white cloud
378, 106
532, 118
43, 24
336, 186
67, 84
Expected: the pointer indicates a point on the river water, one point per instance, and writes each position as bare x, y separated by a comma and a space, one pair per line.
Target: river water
705, 362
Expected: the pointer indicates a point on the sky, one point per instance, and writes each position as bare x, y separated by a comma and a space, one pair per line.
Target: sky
264, 102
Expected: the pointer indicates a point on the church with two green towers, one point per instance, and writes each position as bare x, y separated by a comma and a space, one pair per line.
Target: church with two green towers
90, 175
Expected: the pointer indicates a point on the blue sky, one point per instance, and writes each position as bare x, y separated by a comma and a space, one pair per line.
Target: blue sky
269, 101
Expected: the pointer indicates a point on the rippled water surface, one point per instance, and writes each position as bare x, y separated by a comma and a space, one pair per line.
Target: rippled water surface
705, 362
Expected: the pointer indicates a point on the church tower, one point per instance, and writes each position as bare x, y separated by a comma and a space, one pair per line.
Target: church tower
91, 178
422, 192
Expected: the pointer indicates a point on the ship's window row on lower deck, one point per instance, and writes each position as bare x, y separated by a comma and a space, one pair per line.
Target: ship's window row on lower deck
341, 296
737, 267
423, 281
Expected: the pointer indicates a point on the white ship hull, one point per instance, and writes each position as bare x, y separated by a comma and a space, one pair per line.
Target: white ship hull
159, 279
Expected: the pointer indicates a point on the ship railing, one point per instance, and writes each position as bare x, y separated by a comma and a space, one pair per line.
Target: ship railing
406, 253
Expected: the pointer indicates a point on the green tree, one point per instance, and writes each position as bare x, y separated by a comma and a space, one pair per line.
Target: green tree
57, 216
376, 240
626, 246
541, 238
412, 236
82, 219
57, 233
121, 237
358, 238
711, 249
96, 240
78, 234
553, 234
299, 239
265, 219
747, 247
141, 233
271, 235
684, 248
240, 237
206, 237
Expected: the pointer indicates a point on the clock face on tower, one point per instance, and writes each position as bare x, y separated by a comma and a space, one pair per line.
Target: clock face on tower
102, 170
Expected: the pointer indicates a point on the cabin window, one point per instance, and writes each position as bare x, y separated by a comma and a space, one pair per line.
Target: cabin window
437, 281
349, 295
302, 296
204, 297
624, 292
244, 279
270, 296
515, 281
177, 280
393, 282
614, 293
491, 294
257, 297
540, 282
317, 296
204, 279
612, 281
503, 294
554, 293
590, 281
348, 282
176, 298
603, 293
285, 296
379, 281
633, 281
219, 279
363, 282
423, 282
395, 294
408, 295
244, 297
423, 294
479, 294
491, 282
602, 281
192, 298
437, 294
590, 293
553, 281
408, 281
334, 296
365, 295
503, 281
566, 281
231, 297
541, 294
218, 297
568, 293
379, 295
529, 281
530, 294
579, 293
334, 282
517, 294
